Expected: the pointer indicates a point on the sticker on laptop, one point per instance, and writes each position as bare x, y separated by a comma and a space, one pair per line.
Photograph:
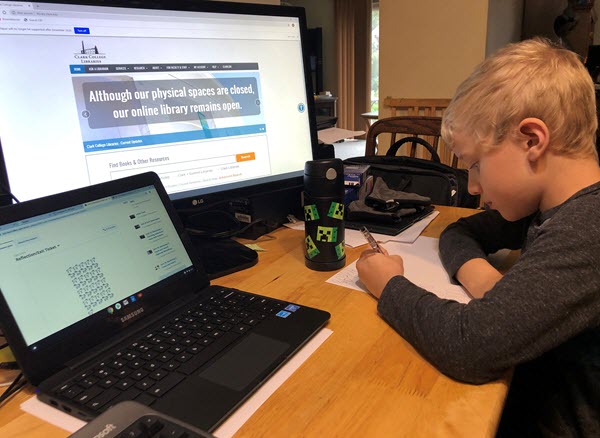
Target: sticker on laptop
283, 314
292, 307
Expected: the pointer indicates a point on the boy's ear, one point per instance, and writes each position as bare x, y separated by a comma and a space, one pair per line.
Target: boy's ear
536, 136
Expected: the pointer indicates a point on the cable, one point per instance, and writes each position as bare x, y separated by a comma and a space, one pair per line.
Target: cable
216, 224
222, 234
212, 224
15, 386
241, 230
19, 381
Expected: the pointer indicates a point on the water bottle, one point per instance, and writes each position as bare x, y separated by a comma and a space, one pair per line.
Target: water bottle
323, 202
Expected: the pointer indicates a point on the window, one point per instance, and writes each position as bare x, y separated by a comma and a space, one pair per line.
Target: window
375, 56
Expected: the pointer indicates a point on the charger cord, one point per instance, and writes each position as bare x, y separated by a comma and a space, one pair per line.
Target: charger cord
14, 387
236, 229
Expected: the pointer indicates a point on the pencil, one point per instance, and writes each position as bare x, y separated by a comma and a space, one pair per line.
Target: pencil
372, 242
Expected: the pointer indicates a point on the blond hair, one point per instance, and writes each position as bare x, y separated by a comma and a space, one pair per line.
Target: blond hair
532, 78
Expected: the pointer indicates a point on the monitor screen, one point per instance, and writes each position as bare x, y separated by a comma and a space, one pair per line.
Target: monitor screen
211, 96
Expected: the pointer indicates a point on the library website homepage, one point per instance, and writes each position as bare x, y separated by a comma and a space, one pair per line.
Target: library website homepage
182, 121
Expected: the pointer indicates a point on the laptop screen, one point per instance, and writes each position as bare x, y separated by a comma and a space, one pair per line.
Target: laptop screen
93, 258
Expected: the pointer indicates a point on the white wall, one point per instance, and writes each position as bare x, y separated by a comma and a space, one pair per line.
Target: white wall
428, 47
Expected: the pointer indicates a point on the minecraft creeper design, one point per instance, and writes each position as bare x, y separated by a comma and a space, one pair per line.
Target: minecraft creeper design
336, 211
311, 248
311, 213
340, 251
327, 234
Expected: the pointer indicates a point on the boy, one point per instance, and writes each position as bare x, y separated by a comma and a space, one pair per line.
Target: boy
524, 122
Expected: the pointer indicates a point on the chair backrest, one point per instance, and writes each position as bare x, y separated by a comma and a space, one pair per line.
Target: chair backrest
427, 128
416, 107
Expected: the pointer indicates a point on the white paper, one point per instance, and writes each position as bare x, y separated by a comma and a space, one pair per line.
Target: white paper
250, 406
51, 415
299, 225
331, 135
422, 266
227, 429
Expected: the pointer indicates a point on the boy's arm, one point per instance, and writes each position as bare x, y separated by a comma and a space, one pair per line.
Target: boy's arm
465, 244
549, 296
478, 276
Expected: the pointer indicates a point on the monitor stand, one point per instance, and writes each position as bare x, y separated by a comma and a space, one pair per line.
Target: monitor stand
223, 256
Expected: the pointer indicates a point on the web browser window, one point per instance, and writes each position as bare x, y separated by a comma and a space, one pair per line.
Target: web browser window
203, 99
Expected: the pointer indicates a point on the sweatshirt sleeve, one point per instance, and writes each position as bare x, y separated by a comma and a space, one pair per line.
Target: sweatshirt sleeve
477, 236
548, 296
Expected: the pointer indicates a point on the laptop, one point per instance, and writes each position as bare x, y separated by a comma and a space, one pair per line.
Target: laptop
104, 300
390, 228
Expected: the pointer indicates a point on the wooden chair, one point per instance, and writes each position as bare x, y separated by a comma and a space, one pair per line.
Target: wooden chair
416, 107
427, 128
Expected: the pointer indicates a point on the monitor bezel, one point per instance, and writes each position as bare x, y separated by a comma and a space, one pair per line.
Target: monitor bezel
217, 197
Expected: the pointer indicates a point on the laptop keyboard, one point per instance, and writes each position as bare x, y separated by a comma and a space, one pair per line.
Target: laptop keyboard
155, 363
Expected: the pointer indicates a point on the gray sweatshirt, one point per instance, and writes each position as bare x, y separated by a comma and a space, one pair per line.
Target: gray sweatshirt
542, 317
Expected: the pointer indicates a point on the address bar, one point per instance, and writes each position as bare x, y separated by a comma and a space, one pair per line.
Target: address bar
167, 32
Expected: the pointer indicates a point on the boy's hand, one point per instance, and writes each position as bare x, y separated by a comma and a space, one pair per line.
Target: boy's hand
376, 269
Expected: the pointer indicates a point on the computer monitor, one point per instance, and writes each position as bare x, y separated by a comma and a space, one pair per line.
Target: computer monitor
214, 97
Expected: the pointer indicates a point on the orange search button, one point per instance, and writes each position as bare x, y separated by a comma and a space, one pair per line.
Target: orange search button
249, 156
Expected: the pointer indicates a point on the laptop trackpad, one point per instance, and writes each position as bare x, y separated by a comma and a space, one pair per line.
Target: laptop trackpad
245, 362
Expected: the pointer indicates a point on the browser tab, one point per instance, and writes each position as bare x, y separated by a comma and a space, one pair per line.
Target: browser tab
16, 5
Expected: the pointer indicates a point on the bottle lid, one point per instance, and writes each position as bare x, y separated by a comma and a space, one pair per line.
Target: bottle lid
324, 178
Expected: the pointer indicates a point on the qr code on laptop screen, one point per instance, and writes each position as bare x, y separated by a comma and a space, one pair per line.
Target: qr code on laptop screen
91, 285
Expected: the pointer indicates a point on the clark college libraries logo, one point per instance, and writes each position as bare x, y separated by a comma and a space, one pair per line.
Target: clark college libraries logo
89, 54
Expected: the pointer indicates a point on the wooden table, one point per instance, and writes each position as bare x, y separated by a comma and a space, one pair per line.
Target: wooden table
365, 380
370, 118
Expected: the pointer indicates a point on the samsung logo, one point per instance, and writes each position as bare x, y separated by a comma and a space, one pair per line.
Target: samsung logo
107, 429
132, 314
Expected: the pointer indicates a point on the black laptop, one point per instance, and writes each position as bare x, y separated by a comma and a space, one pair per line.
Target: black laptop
103, 300
390, 228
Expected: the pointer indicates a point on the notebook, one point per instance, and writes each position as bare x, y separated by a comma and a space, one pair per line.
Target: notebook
104, 300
